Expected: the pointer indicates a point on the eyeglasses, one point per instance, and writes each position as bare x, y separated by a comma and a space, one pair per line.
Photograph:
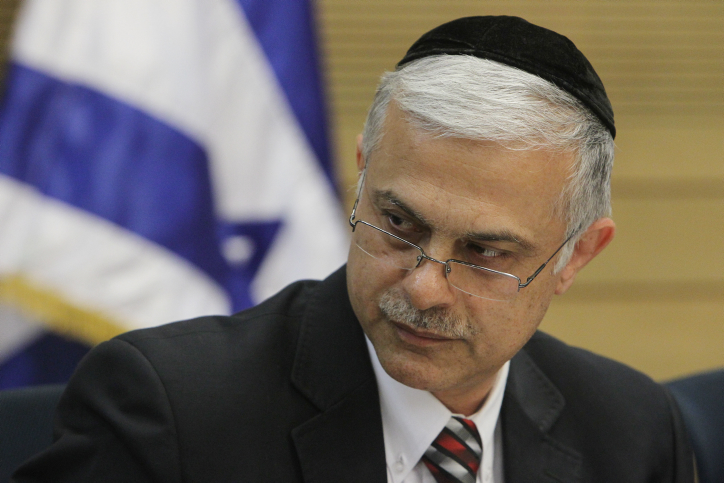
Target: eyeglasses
472, 279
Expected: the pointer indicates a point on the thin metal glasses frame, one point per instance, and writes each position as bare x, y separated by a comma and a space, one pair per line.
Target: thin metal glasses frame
424, 256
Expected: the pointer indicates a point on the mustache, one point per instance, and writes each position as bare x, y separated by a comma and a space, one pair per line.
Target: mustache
397, 307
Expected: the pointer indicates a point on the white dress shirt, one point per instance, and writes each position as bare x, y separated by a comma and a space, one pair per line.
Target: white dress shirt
412, 419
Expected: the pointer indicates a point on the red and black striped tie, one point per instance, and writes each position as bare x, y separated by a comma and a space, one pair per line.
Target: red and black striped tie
454, 457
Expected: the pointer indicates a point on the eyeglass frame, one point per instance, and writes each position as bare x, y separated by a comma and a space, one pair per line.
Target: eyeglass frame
425, 256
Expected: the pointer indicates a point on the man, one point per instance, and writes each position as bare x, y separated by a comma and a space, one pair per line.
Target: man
484, 188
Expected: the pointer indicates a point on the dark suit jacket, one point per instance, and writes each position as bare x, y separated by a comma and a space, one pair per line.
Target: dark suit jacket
285, 392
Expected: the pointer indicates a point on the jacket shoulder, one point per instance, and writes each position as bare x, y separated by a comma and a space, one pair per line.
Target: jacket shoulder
273, 313
581, 373
623, 425
180, 402
252, 352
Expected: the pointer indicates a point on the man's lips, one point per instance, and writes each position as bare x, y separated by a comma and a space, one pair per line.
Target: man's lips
418, 336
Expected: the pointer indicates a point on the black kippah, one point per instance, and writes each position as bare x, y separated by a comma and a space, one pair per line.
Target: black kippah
518, 43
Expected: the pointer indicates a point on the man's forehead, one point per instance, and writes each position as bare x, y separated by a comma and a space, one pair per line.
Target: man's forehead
409, 150
404, 135
476, 189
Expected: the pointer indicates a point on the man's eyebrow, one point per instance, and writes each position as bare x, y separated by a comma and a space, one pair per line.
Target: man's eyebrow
389, 197
501, 236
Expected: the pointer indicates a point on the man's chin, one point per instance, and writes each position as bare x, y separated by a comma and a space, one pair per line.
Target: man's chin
410, 368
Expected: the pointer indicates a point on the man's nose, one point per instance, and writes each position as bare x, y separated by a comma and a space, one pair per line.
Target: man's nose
427, 286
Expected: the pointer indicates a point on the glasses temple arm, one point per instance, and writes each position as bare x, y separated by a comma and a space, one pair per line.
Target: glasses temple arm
352, 215
540, 269
359, 194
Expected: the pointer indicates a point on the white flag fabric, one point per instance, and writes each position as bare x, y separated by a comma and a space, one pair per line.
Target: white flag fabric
159, 160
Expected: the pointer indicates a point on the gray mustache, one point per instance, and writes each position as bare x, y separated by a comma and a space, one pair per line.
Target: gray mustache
397, 307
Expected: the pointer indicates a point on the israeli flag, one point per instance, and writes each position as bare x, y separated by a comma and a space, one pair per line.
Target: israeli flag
159, 160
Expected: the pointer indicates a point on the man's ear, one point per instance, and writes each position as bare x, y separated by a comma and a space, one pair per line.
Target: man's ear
360, 158
590, 244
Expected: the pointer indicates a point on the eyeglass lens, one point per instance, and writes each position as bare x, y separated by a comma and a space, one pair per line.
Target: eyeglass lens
403, 255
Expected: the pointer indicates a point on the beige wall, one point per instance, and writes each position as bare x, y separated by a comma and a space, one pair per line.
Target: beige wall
8, 9
655, 298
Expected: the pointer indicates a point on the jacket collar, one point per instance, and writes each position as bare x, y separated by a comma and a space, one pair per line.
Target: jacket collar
531, 406
344, 442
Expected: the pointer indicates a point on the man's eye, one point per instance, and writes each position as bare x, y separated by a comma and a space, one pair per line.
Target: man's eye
484, 252
399, 223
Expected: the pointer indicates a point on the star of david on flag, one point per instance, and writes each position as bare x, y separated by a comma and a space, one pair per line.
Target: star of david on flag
159, 160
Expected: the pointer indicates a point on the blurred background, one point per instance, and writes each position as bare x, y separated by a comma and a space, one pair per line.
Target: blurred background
655, 298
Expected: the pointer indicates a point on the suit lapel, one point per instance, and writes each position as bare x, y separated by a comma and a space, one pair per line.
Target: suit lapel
344, 442
531, 406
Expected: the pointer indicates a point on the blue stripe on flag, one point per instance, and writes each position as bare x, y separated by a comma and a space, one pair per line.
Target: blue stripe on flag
106, 157
101, 155
50, 359
285, 29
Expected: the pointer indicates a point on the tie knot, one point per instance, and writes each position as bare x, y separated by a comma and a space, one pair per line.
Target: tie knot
454, 456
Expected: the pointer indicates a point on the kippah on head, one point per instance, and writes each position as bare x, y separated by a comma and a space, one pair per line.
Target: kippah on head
518, 43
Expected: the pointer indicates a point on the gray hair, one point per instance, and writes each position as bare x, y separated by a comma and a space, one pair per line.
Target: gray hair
470, 98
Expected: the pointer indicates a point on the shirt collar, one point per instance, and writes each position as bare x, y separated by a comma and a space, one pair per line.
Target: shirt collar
412, 418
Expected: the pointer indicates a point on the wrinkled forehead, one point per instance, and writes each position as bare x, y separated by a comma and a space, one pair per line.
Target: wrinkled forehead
465, 165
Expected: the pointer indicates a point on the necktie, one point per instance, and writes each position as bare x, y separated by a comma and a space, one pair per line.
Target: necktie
454, 456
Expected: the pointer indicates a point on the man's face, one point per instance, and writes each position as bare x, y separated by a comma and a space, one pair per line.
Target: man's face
454, 196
